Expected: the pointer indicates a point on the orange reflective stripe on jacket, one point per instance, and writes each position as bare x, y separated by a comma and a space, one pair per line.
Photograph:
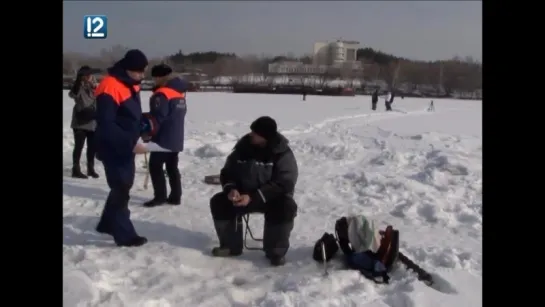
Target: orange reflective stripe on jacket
169, 93
115, 88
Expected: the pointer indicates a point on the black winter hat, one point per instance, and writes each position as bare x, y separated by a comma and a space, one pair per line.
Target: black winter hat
161, 70
265, 127
134, 60
85, 70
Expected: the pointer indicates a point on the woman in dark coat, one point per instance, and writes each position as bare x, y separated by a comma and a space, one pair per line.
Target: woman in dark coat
83, 121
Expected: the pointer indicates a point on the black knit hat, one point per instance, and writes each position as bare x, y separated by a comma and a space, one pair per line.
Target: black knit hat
265, 127
85, 70
134, 60
161, 70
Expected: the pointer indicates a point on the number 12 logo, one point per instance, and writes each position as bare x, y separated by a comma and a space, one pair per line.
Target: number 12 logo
95, 26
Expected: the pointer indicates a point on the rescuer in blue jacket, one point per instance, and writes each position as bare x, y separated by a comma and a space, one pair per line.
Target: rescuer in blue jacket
164, 125
118, 116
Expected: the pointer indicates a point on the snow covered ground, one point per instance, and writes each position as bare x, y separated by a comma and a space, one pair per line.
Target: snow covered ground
416, 170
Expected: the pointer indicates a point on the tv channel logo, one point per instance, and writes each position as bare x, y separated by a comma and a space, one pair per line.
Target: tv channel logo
95, 26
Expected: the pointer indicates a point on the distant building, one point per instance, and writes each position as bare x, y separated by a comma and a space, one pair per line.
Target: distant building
329, 57
335, 53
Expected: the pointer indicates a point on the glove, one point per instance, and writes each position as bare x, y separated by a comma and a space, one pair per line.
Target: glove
148, 125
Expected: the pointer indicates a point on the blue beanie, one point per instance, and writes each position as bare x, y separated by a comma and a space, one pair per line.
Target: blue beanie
134, 60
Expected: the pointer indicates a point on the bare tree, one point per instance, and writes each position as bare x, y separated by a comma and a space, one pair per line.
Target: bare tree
113, 54
70, 62
306, 59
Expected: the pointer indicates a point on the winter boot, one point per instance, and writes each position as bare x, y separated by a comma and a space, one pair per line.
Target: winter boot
101, 228
154, 203
91, 171
174, 201
276, 242
76, 173
230, 237
137, 241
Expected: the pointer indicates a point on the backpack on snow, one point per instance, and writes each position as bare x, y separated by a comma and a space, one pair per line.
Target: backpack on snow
367, 249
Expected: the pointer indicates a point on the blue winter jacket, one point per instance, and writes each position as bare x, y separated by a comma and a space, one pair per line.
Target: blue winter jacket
168, 109
118, 114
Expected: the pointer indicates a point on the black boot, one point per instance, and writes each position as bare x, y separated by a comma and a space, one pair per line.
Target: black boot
230, 237
101, 228
154, 203
175, 201
91, 171
276, 242
76, 173
137, 241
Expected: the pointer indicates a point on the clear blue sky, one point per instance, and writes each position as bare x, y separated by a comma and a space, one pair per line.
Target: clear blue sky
424, 30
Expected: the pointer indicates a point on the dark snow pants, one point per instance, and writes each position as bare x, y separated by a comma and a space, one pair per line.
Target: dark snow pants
279, 217
156, 162
116, 216
388, 106
80, 136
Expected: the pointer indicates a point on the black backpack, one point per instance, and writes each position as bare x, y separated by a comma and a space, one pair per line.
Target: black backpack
365, 262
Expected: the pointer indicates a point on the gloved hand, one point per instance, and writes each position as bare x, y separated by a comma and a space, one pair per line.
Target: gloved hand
148, 125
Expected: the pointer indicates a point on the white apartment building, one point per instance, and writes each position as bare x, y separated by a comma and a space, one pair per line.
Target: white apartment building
335, 53
327, 55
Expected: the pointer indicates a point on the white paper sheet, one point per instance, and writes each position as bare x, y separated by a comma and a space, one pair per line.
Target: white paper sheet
153, 147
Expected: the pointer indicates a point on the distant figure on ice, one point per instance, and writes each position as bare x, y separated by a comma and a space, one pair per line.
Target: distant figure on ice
83, 121
374, 100
387, 99
392, 96
259, 176
304, 94
164, 125
431, 108
119, 114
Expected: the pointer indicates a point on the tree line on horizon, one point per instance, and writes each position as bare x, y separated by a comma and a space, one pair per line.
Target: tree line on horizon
453, 74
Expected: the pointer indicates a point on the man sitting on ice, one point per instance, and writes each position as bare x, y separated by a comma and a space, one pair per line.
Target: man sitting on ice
259, 176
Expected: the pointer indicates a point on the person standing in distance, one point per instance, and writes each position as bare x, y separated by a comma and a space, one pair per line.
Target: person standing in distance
83, 121
117, 132
164, 126
374, 100
387, 100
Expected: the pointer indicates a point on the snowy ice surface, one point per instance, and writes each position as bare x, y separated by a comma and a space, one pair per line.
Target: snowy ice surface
419, 171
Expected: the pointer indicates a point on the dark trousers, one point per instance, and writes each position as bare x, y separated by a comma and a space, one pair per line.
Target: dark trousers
388, 106
115, 218
279, 217
373, 105
156, 162
79, 140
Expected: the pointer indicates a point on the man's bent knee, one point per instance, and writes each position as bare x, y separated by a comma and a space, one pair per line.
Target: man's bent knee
282, 211
221, 207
